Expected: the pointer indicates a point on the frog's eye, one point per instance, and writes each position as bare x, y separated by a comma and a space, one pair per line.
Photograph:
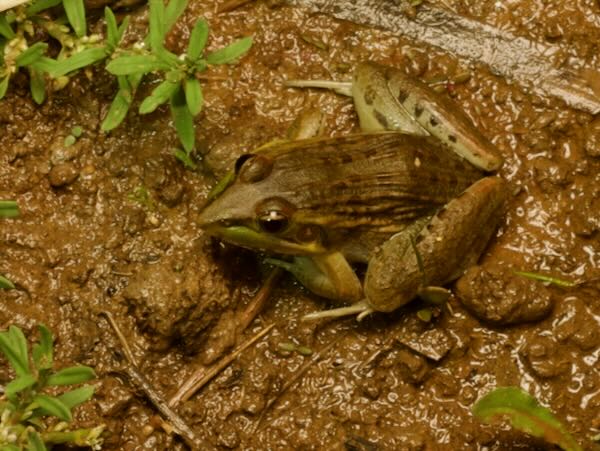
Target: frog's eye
252, 168
241, 160
273, 222
273, 215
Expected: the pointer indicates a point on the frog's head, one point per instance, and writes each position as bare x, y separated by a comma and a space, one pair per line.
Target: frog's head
250, 208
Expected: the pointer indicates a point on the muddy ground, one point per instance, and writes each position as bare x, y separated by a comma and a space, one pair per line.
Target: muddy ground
109, 225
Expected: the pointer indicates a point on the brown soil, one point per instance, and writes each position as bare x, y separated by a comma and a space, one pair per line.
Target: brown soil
88, 241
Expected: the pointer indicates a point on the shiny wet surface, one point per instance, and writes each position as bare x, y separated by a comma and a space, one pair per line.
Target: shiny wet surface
88, 240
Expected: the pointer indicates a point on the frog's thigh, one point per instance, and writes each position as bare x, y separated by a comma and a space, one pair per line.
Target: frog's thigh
328, 275
452, 241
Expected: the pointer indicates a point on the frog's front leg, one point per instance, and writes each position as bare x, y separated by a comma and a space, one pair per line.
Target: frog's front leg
329, 275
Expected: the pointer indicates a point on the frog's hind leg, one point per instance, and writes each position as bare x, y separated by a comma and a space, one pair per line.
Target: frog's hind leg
341, 87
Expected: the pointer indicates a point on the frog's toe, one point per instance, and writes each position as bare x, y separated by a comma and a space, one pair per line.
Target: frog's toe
361, 309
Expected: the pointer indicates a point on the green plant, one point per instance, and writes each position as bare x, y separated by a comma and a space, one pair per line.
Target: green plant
27, 407
179, 85
19, 29
526, 414
8, 209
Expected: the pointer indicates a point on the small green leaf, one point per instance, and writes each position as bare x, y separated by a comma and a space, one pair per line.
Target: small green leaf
525, 414
44, 64
19, 384
121, 103
40, 5
167, 57
76, 131
69, 140
9, 209
198, 39
31, 55
37, 85
112, 31
160, 95
172, 12
547, 279
136, 64
53, 406
11, 448
79, 60
4, 86
6, 284
193, 95
76, 14
122, 28
5, 28
78, 396
157, 26
11, 346
184, 157
43, 352
71, 375
183, 120
231, 52
35, 442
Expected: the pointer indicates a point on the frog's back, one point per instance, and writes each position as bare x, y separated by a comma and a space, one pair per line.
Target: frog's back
376, 182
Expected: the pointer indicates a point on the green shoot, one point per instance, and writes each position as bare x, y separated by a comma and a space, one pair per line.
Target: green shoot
525, 414
8, 209
178, 83
546, 279
26, 403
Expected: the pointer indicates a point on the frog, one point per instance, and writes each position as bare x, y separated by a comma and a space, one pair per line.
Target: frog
412, 196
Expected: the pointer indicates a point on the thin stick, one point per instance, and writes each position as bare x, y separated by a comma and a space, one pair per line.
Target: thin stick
256, 305
231, 5
125, 345
200, 377
297, 375
178, 424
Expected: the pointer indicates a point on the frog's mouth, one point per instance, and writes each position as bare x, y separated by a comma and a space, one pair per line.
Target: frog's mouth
249, 238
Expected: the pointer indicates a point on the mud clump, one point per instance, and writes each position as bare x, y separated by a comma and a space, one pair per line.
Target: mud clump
496, 295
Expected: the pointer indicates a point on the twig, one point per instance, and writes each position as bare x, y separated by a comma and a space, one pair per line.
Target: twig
126, 349
256, 305
200, 377
297, 375
231, 5
178, 424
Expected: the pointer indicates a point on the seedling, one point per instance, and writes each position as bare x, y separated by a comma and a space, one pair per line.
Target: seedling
525, 414
546, 279
8, 209
26, 408
178, 85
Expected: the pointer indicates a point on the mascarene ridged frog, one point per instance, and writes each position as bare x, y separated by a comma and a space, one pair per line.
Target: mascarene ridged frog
408, 196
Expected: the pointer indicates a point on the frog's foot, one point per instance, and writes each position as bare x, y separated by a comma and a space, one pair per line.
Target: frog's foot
360, 309
341, 87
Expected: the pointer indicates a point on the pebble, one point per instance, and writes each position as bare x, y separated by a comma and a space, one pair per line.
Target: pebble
62, 174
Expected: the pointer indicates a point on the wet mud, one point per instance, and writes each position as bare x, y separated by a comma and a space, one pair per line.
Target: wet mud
109, 224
